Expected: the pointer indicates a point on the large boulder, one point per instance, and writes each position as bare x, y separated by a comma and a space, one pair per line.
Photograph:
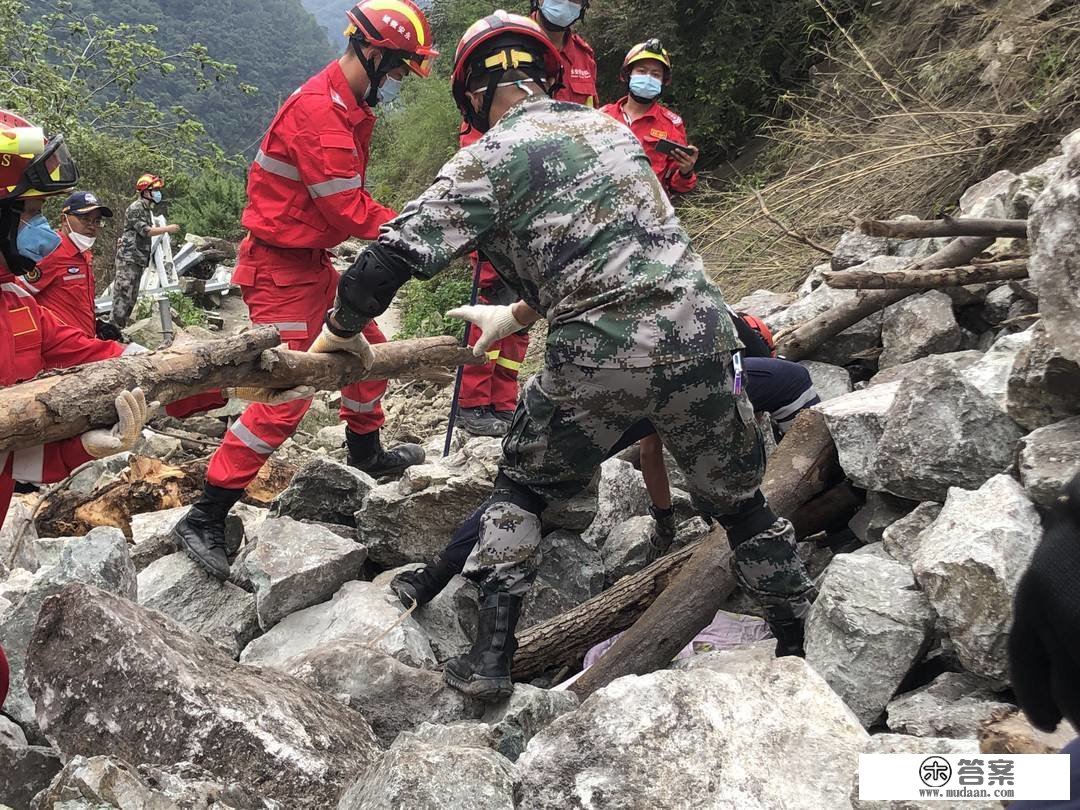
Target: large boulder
1055, 254
990, 373
361, 610
918, 326
220, 611
901, 539
696, 738
449, 620
1049, 458
1043, 384
830, 381
880, 511
1033, 182
24, 769
419, 775
855, 248
326, 491
763, 303
955, 704
621, 496
990, 197
110, 677
866, 630
626, 549
100, 558
392, 696
151, 532
102, 783
969, 562
19, 530
293, 565
524, 714
570, 572
856, 422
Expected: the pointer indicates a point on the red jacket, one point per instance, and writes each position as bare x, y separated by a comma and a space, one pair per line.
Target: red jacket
32, 340
659, 122
306, 186
579, 72
63, 282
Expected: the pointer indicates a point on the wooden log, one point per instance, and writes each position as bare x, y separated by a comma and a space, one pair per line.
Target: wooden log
803, 340
70, 402
832, 508
804, 464
921, 228
934, 279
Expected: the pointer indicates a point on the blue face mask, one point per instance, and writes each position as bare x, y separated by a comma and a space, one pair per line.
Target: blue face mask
155, 195
562, 13
644, 86
389, 90
36, 239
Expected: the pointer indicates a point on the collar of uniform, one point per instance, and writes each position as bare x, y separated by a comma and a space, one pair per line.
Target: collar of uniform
653, 112
519, 108
65, 248
342, 95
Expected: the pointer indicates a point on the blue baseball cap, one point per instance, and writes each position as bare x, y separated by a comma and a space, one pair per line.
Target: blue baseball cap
84, 202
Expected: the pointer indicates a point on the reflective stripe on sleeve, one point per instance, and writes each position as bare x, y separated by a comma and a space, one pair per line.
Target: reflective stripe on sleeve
359, 407
335, 186
29, 464
278, 167
253, 442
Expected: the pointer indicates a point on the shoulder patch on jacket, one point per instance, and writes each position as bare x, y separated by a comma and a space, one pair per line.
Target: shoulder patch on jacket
673, 117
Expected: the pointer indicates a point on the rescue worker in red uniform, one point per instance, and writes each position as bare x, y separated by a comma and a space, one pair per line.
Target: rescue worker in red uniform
647, 71
489, 393
32, 339
305, 195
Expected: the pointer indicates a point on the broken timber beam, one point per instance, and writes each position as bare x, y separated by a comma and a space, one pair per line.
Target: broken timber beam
857, 279
948, 226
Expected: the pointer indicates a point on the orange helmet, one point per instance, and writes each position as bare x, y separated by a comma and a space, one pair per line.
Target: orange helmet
495, 44
148, 182
396, 26
650, 49
32, 165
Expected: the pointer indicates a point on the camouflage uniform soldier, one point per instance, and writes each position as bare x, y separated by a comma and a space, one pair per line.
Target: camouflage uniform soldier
133, 247
564, 203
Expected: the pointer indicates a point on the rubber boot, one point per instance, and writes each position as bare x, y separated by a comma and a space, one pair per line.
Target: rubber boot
789, 633
201, 532
366, 453
484, 671
481, 422
421, 585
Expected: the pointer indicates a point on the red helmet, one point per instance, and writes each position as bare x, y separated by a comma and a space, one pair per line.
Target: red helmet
495, 44
148, 182
398, 26
32, 165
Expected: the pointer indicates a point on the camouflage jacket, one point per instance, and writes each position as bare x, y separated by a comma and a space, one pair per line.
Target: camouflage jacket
563, 202
133, 246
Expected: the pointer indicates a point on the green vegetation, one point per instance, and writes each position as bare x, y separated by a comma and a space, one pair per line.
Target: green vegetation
211, 205
423, 303
185, 313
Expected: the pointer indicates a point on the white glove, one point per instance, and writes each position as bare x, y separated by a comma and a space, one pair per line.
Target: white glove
135, 348
131, 411
269, 396
495, 322
357, 345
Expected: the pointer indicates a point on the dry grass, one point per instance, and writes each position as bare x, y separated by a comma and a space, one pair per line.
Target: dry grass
936, 96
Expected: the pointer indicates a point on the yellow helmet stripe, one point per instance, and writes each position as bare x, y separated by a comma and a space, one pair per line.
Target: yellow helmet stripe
659, 57
28, 141
401, 8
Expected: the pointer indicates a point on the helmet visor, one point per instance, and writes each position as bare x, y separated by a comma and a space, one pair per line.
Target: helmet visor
52, 171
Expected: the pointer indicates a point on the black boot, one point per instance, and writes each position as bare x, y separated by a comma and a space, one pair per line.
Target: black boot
201, 532
789, 633
366, 453
481, 422
484, 671
422, 585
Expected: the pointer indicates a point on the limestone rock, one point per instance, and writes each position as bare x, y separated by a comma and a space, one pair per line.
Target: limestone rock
449, 620
1014, 734
1055, 255
293, 565
902, 537
392, 696
1033, 183
1049, 458
157, 445
763, 303
18, 528
220, 611
955, 704
570, 572
24, 769
969, 561
1043, 384
617, 750
184, 700
990, 197
472, 734
914, 371
855, 248
918, 326
98, 473
861, 340
331, 437
990, 373
621, 496
360, 610
829, 381
525, 714
903, 744
417, 774
325, 491
49, 550
856, 422
867, 628
626, 548
574, 515
100, 558
880, 512
153, 527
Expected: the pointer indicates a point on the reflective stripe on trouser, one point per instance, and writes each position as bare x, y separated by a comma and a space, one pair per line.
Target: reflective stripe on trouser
779, 387
496, 381
567, 421
295, 298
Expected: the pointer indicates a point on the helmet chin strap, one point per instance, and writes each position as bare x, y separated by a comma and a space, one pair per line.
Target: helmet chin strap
18, 265
375, 74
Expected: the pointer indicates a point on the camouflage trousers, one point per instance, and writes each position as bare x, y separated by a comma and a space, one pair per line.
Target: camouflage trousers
568, 419
125, 291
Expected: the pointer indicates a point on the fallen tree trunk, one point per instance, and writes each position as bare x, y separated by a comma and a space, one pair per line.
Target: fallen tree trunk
830, 509
70, 402
803, 340
948, 226
947, 277
804, 464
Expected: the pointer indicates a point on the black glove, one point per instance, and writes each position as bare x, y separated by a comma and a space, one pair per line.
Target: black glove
1044, 645
108, 331
664, 532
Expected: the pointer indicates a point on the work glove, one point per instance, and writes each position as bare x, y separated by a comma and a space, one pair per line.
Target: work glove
132, 413
328, 342
269, 396
495, 322
1044, 644
108, 331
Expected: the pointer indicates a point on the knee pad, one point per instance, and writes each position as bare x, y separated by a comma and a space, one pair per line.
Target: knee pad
753, 517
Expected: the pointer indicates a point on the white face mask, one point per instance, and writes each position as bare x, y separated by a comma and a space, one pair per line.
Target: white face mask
80, 241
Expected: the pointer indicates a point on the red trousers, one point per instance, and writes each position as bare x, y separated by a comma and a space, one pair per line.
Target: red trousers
496, 382
291, 289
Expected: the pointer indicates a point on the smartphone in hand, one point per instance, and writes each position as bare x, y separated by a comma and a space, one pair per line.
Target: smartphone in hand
666, 147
